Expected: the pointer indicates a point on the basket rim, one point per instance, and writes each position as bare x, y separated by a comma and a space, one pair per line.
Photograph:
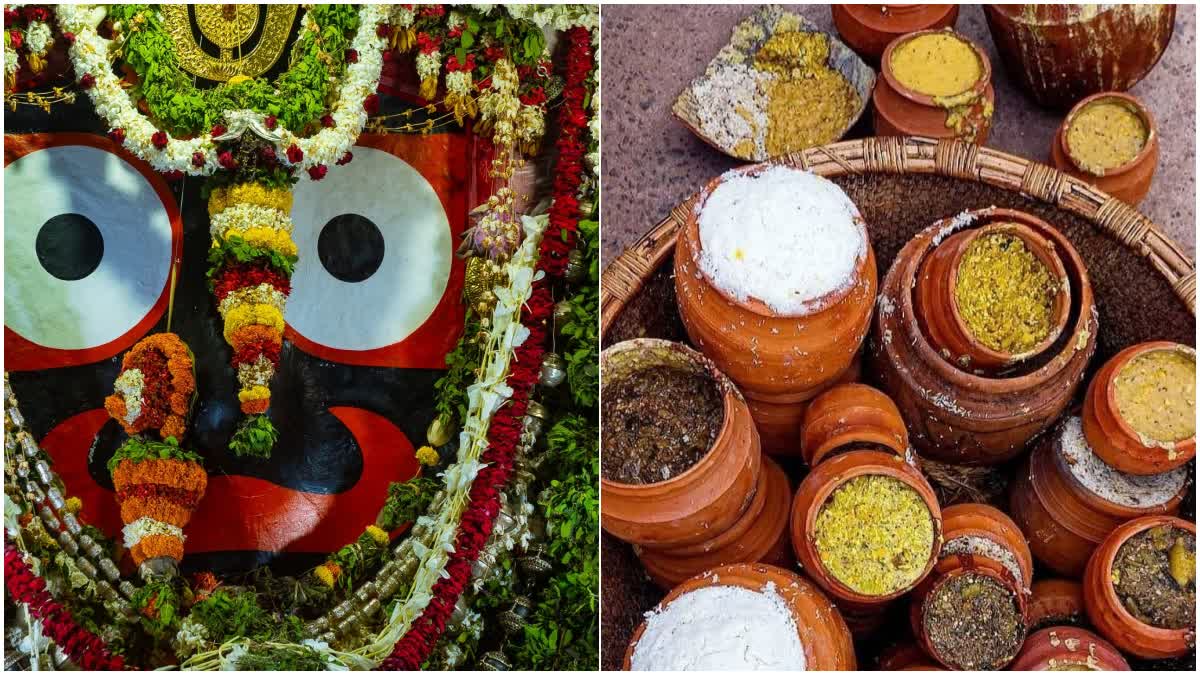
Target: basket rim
625, 275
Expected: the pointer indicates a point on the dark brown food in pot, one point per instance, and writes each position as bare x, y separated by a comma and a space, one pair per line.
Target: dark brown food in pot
1154, 576
974, 623
657, 423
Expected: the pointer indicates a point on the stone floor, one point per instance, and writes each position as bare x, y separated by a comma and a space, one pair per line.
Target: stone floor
651, 162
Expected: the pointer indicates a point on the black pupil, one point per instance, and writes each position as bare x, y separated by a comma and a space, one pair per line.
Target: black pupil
350, 247
69, 246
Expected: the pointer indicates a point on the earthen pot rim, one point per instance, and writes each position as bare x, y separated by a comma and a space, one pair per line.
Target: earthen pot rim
871, 463
1138, 107
691, 238
1024, 566
995, 385
1011, 584
1065, 632
978, 89
1117, 364
1107, 555
1014, 14
1004, 527
729, 397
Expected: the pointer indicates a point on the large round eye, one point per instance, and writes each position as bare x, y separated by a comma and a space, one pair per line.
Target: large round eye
377, 282
88, 239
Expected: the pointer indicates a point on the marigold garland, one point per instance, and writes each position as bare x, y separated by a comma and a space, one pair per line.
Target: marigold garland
225, 196
157, 384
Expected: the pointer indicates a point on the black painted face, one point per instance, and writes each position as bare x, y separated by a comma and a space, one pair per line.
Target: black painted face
373, 311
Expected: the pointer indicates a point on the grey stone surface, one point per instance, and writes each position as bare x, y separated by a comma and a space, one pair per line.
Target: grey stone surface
651, 162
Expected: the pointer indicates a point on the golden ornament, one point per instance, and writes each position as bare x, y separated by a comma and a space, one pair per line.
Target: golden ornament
481, 277
228, 27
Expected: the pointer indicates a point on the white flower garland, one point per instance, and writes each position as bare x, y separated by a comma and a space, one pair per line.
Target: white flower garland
145, 527
90, 55
37, 37
243, 216
129, 385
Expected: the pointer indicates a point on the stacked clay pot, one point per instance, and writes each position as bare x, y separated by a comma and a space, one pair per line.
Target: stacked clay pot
1067, 648
955, 415
851, 416
1108, 614
1063, 518
903, 111
710, 496
779, 362
1055, 602
868, 29
1129, 182
823, 634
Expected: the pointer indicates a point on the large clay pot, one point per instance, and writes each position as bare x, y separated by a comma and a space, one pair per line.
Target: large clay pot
1109, 616
823, 633
1063, 519
937, 303
1061, 53
988, 522
1055, 602
907, 656
816, 489
1129, 182
760, 535
1060, 647
868, 29
901, 111
780, 424
781, 361
1112, 439
958, 417
851, 416
710, 496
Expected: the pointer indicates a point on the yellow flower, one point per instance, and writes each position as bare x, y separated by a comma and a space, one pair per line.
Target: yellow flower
266, 237
248, 314
428, 456
325, 576
254, 393
249, 193
378, 535
74, 504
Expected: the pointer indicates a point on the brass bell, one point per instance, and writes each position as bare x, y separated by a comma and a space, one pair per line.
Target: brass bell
512, 620
534, 564
576, 267
554, 370
562, 313
536, 416
494, 660
439, 432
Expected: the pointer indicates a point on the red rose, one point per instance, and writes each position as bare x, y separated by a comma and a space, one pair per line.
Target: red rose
351, 56
197, 159
454, 32
383, 30
433, 10
87, 81
318, 172
10, 15
327, 121
117, 135
493, 53
36, 13
535, 96
271, 122
427, 43
371, 104
226, 160
217, 130
346, 158
69, 37
159, 139
15, 39
268, 154
294, 153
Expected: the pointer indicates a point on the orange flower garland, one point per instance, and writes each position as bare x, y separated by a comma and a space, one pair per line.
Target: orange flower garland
155, 387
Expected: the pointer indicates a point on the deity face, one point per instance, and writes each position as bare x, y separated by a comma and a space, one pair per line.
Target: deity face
90, 236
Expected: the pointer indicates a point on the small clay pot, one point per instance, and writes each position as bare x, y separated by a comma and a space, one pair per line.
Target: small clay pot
868, 29
906, 656
1057, 646
780, 422
901, 111
760, 535
709, 497
823, 633
776, 360
958, 417
1063, 519
1129, 182
937, 304
1110, 617
816, 489
851, 416
988, 522
1055, 602
1112, 439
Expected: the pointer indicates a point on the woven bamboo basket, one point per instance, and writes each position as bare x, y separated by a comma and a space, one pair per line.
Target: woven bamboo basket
1145, 287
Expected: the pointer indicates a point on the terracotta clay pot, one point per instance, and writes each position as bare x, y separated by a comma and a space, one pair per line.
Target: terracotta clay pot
709, 497
1129, 182
779, 361
868, 29
760, 535
958, 417
906, 657
1109, 616
947, 569
816, 489
1058, 646
901, 111
1061, 53
780, 423
1063, 519
851, 416
988, 522
823, 633
1112, 439
1055, 602
937, 305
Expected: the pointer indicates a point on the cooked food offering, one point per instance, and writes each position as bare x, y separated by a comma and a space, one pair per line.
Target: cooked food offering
1106, 134
1005, 294
1156, 394
973, 622
941, 65
1154, 576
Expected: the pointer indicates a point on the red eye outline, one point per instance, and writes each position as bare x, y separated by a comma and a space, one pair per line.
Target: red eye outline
427, 346
22, 354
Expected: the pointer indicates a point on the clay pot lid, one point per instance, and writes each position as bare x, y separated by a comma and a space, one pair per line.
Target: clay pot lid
1129, 101
1110, 394
1044, 250
1106, 554
915, 96
691, 236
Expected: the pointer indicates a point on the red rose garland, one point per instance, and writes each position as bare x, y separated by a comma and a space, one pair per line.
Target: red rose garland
504, 433
83, 647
